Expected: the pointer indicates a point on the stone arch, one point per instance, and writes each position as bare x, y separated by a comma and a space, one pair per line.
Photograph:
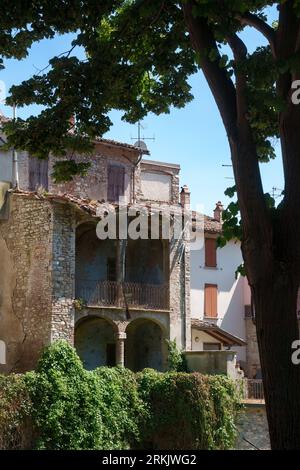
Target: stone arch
145, 345
95, 342
2, 352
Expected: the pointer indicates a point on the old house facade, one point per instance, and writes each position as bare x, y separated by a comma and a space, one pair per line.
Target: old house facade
117, 300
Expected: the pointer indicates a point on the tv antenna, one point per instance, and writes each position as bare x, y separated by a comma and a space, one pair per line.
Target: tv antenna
228, 177
140, 140
276, 192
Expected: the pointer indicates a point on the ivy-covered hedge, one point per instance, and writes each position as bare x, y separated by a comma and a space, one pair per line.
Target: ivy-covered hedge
63, 406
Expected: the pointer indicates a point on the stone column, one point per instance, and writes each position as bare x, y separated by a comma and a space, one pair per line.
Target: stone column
120, 348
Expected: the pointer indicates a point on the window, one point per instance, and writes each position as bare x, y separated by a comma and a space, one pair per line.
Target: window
115, 182
210, 252
211, 300
38, 174
211, 346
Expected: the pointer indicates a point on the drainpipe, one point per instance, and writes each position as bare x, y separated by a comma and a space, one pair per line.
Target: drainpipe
15, 169
184, 299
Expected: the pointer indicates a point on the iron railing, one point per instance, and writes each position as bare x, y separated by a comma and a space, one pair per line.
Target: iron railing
254, 389
115, 294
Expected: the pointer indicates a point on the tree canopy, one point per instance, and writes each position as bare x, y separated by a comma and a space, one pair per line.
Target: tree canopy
138, 60
139, 55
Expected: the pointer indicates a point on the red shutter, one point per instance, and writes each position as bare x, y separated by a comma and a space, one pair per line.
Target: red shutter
115, 182
211, 300
210, 252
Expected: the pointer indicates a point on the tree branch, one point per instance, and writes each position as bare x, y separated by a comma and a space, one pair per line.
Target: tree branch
232, 104
249, 19
239, 50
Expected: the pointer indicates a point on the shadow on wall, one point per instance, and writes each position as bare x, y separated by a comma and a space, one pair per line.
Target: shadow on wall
95, 343
145, 346
234, 317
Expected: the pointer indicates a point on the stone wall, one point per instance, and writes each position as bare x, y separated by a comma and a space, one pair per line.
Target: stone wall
94, 184
212, 362
37, 256
63, 274
252, 426
25, 281
180, 321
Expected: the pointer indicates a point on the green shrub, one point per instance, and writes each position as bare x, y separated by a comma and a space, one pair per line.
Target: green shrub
78, 409
176, 359
188, 411
16, 430
63, 406
121, 408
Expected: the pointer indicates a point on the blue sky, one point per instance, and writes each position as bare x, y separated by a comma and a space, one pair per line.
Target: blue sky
194, 136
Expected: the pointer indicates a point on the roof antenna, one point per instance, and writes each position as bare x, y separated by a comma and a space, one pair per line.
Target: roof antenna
15, 169
140, 143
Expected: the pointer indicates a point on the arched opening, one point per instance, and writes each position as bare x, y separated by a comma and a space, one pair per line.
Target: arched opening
111, 273
2, 352
95, 259
145, 346
147, 261
95, 343
96, 266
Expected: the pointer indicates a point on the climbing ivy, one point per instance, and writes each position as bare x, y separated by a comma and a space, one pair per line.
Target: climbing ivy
62, 406
176, 359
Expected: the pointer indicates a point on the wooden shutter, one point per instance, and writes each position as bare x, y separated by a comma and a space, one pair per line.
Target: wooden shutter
211, 252
115, 182
34, 173
211, 300
38, 173
44, 174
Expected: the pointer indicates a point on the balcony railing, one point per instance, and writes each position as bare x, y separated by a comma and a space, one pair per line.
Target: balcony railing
254, 389
115, 294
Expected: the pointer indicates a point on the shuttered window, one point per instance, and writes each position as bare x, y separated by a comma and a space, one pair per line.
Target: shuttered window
211, 300
210, 252
38, 174
115, 182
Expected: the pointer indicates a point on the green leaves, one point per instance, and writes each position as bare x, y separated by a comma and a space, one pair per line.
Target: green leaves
67, 169
139, 58
61, 406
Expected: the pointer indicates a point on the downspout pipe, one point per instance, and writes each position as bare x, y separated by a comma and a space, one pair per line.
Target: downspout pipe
15, 164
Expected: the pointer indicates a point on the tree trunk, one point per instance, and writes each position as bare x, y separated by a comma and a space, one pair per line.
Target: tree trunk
271, 241
275, 302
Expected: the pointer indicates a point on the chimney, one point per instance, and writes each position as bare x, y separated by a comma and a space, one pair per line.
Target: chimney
218, 211
185, 197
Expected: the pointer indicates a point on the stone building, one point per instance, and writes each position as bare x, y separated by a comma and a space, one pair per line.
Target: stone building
116, 299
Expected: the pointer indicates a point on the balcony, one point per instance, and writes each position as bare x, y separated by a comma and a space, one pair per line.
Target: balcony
122, 295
